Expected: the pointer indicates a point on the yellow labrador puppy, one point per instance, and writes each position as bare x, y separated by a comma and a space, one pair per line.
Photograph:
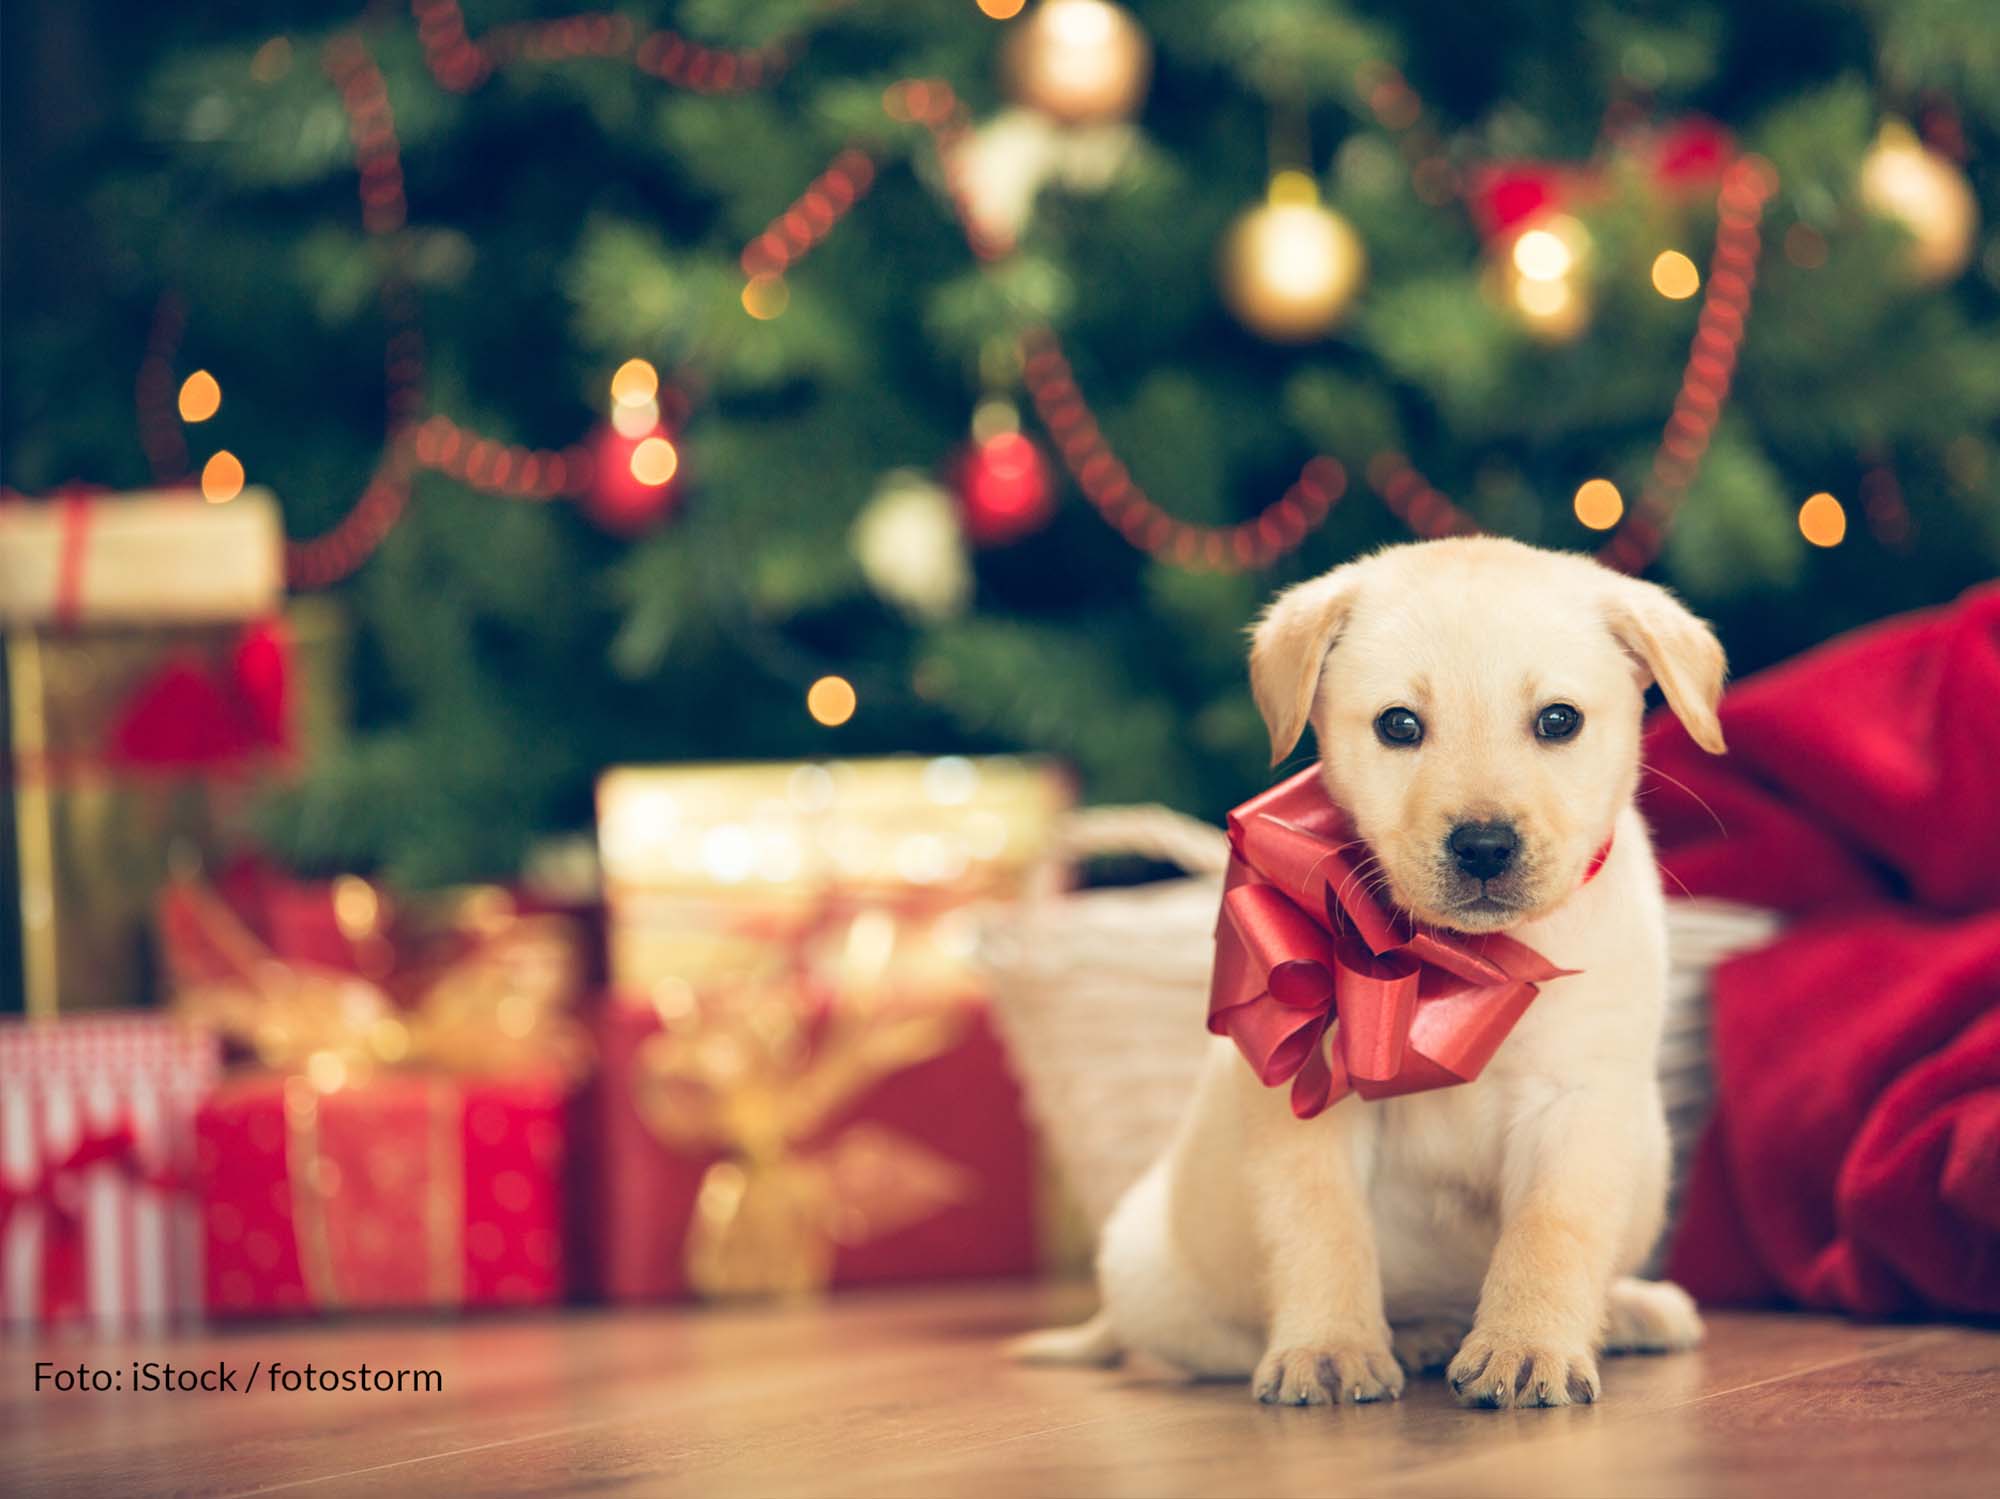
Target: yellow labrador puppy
1477, 704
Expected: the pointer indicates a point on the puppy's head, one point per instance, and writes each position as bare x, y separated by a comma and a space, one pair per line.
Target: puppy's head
1477, 704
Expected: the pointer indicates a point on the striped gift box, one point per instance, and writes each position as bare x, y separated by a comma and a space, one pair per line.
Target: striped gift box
98, 1226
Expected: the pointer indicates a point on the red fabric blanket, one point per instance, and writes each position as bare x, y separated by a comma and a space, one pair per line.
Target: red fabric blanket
1854, 1160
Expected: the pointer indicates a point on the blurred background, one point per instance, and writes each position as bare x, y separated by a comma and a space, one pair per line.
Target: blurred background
839, 390
409, 415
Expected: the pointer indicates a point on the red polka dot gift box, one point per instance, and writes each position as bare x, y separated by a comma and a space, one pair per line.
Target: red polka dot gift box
398, 1135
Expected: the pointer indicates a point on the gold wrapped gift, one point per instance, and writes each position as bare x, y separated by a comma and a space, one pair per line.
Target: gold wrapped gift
804, 1086
716, 870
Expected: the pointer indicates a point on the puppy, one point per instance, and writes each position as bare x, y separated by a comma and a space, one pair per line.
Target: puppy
1477, 704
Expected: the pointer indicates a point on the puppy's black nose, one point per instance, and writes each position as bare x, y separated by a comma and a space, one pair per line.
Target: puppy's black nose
1483, 849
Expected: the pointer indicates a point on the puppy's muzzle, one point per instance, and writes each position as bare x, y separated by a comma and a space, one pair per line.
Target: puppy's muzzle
1484, 850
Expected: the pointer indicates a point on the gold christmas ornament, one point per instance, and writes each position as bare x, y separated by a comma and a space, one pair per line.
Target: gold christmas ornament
1541, 275
1903, 180
1082, 61
1291, 267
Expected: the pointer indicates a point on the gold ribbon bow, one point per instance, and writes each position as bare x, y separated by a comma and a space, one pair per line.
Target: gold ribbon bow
759, 1082
497, 1003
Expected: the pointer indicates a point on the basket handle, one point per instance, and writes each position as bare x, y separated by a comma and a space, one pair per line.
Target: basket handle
1152, 832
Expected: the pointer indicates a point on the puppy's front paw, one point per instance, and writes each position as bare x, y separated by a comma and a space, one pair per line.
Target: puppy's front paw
1498, 1370
1328, 1374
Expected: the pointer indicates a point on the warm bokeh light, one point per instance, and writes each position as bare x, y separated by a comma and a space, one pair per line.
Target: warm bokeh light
764, 297
636, 383
1002, 10
201, 397
222, 478
1823, 521
1293, 186
1081, 24
992, 417
831, 701
1599, 504
1675, 277
654, 461
635, 419
1542, 255
1543, 299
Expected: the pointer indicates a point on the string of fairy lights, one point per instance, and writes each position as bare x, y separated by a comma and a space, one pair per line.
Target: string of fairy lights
624, 476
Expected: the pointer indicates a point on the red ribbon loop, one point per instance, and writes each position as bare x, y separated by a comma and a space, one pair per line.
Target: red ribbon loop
1321, 983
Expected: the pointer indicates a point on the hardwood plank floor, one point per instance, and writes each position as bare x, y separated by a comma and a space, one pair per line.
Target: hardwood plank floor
903, 1394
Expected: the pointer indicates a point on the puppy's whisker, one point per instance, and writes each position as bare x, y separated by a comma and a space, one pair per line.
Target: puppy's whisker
1687, 791
1678, 881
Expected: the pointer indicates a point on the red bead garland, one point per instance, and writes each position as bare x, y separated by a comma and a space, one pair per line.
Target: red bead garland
1725, 312
501, 468
371, 129
1105, 482
811, 216
460, 62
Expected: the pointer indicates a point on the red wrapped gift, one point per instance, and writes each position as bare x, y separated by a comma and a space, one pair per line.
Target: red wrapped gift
765, 1149
404, 1142
408, 1190
800, 1087
97, 1223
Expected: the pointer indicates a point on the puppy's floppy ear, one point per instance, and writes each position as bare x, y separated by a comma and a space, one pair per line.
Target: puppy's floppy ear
1676, 650
1287, 648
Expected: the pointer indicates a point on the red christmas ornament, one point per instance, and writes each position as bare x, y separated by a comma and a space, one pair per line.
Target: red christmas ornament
1684, 158
635, 481
1004, 488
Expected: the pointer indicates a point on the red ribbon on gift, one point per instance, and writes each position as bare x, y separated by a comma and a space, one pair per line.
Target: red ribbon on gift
1322, 985
57, 1192
187, 716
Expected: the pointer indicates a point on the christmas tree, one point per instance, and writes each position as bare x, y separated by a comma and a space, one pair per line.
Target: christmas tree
806, 378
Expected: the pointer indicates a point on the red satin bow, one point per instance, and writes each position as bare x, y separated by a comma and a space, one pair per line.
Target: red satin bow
1304, 941
56, 1192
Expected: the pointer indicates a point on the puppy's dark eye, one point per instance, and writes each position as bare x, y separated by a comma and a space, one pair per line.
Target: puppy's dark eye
1399, 727
1557, 721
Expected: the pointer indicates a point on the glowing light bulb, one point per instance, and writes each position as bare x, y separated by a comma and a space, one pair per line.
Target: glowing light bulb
1675, 277
1542, 255
635, 419
635, 383
201, 397
222, 478
1598, 504
1543, 299
1822, 520
655, 461
1001, 10
831, 701
1081, 24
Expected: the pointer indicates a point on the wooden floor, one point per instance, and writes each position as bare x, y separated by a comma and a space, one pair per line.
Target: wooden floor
902, 1394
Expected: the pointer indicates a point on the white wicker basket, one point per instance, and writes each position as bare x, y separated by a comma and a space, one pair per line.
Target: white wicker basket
1100, 996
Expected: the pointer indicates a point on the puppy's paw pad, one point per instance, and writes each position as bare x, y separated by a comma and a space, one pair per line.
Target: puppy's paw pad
1650, 1316
1328, 1374
1425, 1347
1498, 1372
